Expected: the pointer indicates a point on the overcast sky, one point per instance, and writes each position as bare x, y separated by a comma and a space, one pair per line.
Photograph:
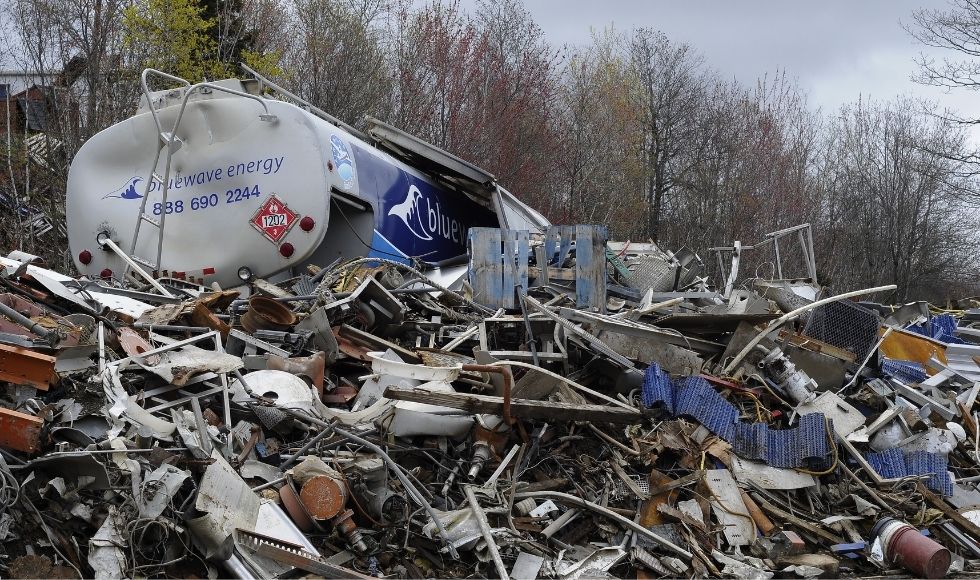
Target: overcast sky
837, 50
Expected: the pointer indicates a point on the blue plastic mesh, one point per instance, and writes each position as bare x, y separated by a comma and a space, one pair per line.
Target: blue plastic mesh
751, 440
889, 463
697, 399
779, 444
802, 446
813, 440
658, 387
923, 462
907, 371
941, 328
892, 463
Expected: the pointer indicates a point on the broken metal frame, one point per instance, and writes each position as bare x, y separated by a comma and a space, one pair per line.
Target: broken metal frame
804, 235
526, 319
775, 324
584, 335
212, 335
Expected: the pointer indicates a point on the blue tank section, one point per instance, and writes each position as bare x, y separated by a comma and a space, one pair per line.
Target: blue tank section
414, 216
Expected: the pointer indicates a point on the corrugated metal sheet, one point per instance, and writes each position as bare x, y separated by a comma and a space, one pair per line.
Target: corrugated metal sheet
959, 357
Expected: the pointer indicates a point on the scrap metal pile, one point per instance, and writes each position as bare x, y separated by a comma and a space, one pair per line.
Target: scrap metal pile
570, 408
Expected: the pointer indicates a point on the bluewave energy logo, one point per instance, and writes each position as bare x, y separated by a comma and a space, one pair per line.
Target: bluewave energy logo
127, 191
425, 218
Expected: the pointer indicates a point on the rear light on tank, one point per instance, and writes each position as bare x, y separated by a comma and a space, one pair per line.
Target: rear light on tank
106, 273
286, 250
306, 224
85, 257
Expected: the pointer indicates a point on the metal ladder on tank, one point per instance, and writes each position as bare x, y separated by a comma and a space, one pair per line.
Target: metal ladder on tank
170, 143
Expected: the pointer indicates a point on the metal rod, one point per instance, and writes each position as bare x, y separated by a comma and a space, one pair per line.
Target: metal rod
508, 384
269, 484
461, 338
48, 335
628, 523
108, 451
567, 381
313, 109
481, 519
503, 465
527, 325
105, 241
304, 448
170, 327
864, 363
146, 191
338, 296
101, 347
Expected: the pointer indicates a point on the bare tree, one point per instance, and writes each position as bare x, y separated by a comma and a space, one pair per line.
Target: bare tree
601, 162
956, 29
891, 213
673, 82
335, 59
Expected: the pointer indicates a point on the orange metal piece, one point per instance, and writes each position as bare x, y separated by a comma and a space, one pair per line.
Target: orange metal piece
294, 507
906, 345
22, 366
20, 431
324, 497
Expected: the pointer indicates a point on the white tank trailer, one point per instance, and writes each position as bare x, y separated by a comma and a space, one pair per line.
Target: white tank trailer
225, 181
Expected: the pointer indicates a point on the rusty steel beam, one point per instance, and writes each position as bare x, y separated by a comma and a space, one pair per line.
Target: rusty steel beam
20, 431
22, 366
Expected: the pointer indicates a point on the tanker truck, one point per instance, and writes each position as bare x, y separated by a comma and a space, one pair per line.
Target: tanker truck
230, 180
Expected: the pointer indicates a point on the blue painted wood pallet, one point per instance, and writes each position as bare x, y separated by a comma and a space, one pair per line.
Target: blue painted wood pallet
499, 263
590, 261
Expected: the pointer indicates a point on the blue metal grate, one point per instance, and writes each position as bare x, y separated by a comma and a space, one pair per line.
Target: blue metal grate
658, 387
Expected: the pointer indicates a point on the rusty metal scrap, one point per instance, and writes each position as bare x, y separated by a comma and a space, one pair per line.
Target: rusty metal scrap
368, 422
